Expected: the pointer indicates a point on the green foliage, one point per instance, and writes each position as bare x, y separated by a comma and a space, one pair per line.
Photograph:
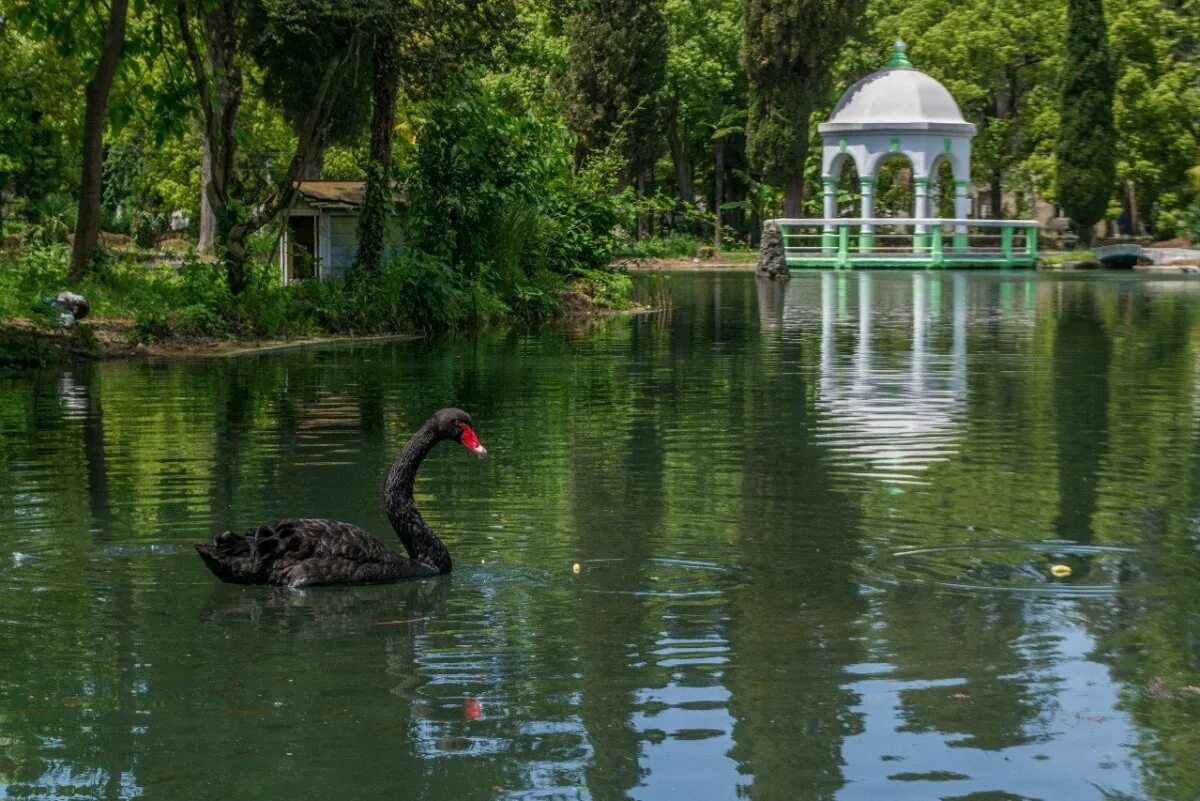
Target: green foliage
1086, 148
616, 64
787, 50
607, 289
1189, 222
37, 95
663, 246
1000, 60
485, 167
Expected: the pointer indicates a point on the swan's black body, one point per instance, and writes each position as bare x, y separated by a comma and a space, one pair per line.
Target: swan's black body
304, 552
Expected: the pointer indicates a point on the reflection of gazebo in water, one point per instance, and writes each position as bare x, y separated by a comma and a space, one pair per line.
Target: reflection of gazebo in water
900, 112
890, 415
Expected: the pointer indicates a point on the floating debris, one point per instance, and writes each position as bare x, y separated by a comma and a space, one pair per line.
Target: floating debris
1060, 571
575, 568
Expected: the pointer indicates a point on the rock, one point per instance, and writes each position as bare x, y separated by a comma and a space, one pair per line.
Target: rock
1087, 264
772, 263
74, 308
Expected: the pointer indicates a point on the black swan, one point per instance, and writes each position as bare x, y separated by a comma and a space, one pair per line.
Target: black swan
305, 552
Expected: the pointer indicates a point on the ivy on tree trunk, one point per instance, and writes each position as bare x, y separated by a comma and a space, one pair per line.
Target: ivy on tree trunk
377, 202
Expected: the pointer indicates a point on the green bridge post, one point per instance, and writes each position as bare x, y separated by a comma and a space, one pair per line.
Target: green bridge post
938, 259
843, 251
1031, 243
961, 243
1006, 244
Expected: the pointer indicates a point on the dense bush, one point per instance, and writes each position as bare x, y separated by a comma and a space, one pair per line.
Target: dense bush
415, 292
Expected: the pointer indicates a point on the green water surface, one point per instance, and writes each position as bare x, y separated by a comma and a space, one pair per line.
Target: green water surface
814, 522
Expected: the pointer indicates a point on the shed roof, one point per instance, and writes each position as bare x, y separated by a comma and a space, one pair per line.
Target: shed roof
339, 194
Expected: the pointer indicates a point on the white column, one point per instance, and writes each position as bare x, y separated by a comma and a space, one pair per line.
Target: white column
829, 196
867, 234
921, 232
962, 207
829, 211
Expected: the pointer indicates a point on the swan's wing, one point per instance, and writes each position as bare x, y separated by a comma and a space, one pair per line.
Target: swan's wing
306, 538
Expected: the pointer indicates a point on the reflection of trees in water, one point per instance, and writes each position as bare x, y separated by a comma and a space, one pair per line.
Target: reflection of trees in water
795, 617
1150, 471
616, 512
1082, 354
989, 646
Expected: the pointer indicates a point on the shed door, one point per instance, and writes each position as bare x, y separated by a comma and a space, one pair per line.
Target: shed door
301, 248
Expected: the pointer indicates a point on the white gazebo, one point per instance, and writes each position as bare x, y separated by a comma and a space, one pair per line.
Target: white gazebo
899, 111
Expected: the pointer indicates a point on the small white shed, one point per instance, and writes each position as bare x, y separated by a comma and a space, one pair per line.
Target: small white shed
320, 230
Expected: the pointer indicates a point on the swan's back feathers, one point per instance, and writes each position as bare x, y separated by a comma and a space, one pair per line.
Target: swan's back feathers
303, 552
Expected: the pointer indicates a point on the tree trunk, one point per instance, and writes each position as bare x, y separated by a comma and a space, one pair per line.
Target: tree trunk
683, 170
87, 223
316, 168
219, 88
997, 195
377, 203
1135, 219
718, 188
641, 218
793, 197
208, 220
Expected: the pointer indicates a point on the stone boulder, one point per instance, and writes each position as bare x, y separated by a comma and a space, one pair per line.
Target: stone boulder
772, 263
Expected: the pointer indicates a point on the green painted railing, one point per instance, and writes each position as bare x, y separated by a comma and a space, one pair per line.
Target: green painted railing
846, 243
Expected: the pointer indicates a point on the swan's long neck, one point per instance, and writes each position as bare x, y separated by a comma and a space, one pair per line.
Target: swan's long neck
420, 542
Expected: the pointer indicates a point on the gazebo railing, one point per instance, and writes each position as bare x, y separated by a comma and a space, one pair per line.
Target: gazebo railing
856, 242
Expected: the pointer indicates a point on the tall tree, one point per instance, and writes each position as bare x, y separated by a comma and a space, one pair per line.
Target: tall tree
377, 202
1086, 150
787, 51
215, 35
87, 222
616, 68
419, 46
704, 84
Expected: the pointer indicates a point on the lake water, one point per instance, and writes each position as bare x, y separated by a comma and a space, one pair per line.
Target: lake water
815, 527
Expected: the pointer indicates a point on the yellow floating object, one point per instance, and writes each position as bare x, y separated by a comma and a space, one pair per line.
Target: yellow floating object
575, 568
1060, 571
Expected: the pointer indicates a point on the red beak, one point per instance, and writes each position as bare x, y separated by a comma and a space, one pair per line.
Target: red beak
471, 442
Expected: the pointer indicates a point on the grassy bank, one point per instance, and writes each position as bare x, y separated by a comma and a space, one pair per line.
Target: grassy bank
675, 247
168, 307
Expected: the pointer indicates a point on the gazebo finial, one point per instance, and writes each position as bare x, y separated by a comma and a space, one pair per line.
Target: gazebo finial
899, 59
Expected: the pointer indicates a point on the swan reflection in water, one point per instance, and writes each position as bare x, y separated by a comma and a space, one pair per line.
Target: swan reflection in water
887, 413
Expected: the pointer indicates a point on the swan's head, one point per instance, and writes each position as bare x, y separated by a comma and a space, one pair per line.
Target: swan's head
455, 424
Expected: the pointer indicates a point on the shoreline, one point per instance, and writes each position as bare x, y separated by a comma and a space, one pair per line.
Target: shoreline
109, 340
688, 264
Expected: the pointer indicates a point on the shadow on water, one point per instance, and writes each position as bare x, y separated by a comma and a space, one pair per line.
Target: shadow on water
816, 524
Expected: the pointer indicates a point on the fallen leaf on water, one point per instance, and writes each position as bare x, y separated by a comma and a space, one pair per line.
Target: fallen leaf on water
399, 622
472, 709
